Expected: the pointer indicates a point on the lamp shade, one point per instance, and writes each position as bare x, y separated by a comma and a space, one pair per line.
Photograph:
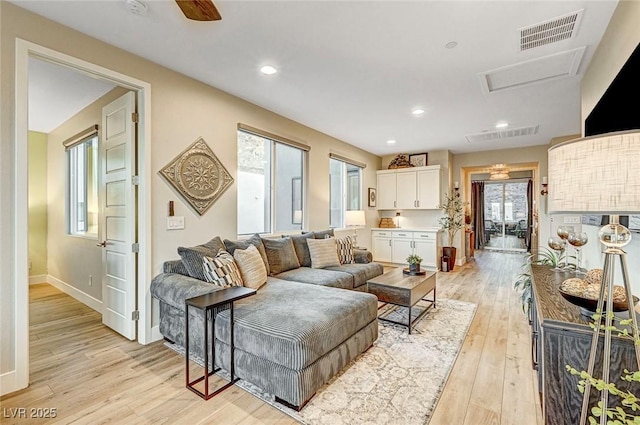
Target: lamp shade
598, 174
354, 218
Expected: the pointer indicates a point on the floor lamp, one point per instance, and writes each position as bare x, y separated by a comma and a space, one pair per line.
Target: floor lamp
600, 175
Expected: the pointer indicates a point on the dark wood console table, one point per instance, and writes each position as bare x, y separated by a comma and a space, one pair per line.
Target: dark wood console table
561, 336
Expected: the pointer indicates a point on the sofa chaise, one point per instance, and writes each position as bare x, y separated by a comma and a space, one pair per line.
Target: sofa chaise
301, 328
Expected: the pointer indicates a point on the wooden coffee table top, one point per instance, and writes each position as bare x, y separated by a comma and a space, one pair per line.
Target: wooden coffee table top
398, 288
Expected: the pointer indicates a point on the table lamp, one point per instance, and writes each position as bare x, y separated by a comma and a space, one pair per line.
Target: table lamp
354, 219
600, 175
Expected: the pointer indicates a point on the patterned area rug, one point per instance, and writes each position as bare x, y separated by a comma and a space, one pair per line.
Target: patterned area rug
397, 381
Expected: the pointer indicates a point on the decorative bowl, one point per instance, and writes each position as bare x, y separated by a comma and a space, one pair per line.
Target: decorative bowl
591, 305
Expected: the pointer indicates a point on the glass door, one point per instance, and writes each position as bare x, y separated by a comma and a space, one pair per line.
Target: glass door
505, 213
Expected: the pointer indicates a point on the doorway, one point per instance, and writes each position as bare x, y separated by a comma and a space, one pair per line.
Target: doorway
506, 215
25, 50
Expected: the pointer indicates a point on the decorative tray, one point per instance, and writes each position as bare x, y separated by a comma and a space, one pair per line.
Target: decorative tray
420, 273
591, 305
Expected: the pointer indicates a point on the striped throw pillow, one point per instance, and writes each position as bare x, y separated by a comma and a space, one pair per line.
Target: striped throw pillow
345, 250
221, 270
252, 269
323, 253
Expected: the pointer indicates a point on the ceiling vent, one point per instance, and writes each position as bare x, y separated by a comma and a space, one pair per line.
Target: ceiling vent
546, 68
551, 31
489, 135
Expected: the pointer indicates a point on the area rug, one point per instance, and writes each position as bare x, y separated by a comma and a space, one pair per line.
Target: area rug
397, 381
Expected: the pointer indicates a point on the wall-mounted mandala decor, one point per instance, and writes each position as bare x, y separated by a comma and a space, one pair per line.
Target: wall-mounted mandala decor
198, 175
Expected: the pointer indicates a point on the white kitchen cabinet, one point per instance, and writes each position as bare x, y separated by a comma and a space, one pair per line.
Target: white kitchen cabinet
386, 193
394, 246
402, 246
415, 188
381, 245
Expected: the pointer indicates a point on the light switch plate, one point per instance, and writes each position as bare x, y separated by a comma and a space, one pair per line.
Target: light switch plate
175, 222
572, 220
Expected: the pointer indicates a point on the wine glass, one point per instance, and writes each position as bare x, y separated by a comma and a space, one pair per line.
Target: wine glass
577, 240
557, 244
564, 232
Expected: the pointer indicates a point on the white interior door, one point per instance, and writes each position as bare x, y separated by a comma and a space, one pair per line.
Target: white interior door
118, 199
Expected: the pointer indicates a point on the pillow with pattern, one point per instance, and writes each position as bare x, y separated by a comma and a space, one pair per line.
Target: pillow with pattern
221, 270
345, 249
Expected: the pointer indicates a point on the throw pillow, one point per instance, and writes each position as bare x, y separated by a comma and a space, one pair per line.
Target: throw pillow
323, 234
281, 255
252, 269
302, 248
221, 270
323, 253
192, 256
254, 240
345, 250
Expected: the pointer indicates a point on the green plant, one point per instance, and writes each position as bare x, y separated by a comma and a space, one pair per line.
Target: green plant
544, 256
619, 415
453, 219
414, 259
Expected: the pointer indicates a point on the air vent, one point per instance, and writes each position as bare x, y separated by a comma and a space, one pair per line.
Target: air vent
551, 31
487, 136
546, 68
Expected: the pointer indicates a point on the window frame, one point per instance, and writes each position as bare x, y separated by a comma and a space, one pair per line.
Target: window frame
271, 217
87, 140
345, 201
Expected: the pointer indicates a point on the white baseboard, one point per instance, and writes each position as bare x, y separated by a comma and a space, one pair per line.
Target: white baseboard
155, 334
83, 297
9, 382
39, 278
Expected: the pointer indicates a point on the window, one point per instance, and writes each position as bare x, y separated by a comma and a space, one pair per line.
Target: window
271, 184
82, 190
345, 182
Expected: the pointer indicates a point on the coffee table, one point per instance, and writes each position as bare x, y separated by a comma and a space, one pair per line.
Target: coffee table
395, 287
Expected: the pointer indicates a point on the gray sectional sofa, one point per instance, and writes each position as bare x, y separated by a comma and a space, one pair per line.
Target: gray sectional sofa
300, 329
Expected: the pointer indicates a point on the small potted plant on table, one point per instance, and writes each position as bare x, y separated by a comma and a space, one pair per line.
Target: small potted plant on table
414, 263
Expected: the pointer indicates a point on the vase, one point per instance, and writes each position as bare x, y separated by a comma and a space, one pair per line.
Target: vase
450, 253
414, 268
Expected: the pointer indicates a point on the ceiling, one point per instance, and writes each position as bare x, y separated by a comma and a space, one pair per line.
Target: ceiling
355, 70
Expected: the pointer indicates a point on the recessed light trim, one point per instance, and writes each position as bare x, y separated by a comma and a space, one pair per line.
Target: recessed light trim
391, 142
451, 44
268, 69
418, 111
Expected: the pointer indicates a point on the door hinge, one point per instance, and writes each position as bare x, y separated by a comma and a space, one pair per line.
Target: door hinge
135, 315
135, 180
135, 117
135, 247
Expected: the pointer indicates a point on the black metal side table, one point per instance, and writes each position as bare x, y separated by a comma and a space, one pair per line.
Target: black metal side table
207, 303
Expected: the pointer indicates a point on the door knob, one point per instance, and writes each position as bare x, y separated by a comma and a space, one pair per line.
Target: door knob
102, 244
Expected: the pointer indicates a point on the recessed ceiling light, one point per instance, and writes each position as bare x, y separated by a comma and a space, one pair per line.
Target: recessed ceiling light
502, 125
451, 44
391, 142
417, 111
268, 70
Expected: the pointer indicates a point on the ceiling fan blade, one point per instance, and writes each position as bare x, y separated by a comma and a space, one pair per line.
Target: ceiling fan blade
199, 10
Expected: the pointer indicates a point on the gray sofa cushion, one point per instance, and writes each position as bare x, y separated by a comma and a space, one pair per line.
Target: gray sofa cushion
323, 234
295, 328
254, 240
322, 277
281, 255
302, 248
361, 272
192, 257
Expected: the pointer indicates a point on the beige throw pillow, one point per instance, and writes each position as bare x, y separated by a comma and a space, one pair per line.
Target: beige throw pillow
323, 253
252, 269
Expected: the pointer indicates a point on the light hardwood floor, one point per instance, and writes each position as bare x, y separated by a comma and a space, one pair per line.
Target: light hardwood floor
91, 375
